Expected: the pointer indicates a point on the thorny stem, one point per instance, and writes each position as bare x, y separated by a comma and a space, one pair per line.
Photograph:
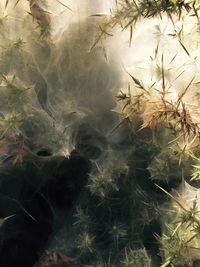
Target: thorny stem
172, 197
180, 205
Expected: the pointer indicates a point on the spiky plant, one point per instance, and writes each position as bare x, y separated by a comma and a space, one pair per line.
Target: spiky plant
53, 83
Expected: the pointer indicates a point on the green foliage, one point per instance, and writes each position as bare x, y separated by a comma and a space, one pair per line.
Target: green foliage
118, 234
130, 12
82, 219
85, 242
102, 183
137, 258
195, 173
178, 246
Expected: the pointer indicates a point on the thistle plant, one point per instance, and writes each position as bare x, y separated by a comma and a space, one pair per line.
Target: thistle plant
12, 89
118, 233
11, 124
50, 83
195, 172
180, 242
136, 258
85, 242
82, 219
129, 13
102, 185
